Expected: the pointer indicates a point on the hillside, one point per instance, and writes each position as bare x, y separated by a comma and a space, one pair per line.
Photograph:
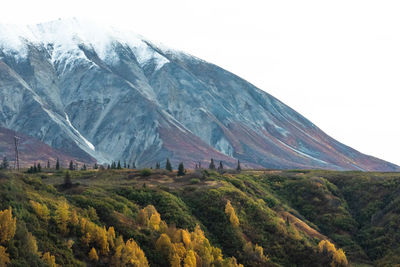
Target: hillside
111, 94
261, 218
32, 150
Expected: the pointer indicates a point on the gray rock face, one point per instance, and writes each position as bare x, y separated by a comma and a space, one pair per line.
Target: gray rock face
115, 96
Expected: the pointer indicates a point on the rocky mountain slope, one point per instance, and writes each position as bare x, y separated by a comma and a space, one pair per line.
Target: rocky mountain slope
113, 95
33, 151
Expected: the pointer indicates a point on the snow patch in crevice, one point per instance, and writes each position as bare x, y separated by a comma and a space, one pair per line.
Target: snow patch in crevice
90, 145
302, 153
224, 147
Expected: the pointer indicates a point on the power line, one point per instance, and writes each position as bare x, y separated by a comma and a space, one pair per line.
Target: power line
16, 143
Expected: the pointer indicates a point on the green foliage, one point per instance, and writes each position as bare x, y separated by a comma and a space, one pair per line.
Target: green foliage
194, 180
168, 165
181, 169
273, 218
145, 172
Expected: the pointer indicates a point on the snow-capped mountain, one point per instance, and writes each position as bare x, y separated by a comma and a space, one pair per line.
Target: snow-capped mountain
110, 94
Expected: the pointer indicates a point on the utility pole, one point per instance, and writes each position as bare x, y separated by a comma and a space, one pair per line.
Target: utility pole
16, 141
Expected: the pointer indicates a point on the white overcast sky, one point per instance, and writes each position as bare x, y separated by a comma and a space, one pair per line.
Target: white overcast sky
335, 62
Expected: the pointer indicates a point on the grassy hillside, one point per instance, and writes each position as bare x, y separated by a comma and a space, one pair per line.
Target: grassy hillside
153, 217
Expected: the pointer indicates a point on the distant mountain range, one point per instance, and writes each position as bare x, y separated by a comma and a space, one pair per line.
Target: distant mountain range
97, 92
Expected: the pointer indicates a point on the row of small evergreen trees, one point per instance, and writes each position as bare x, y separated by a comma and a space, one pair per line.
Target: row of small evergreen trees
117, 165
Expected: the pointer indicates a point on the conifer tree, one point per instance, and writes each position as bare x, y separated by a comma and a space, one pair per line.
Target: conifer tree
57, 164
34, 167
48, 164
84, 167
95, 166
220, 167
181, 169
5, 164
238, 168
71, 166
119, 165
124, 164
67, 180
157, 165
212, 165
168, 165
39, 168
133, 165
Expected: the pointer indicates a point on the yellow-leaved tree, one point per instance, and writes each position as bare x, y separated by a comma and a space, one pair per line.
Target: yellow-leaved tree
255, 253
49, 259
93, 255
62, 217
149, 217
7, 225
190, 259
4, 256
230, 211
338, 256
129, 254
41, 210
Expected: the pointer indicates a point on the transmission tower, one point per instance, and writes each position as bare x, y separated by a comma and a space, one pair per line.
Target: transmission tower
16, 142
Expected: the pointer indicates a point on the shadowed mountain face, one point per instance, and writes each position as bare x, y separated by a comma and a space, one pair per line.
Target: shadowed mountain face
112, 95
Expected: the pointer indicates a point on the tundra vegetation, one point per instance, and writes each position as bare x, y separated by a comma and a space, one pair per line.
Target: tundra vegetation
127, 217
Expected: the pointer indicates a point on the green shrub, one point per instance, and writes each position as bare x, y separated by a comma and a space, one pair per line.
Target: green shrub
145, 172
194, 181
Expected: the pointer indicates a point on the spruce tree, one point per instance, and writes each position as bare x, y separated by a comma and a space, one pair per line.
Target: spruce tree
95, 166
157, 165
220, 167
124, 164
57, 164
212, 165
134, 165
39, 168
238, 168
48, 164
84, 167
119, 165
5, 164
34, 167
71, 166
181, 169
67, 180
168, 165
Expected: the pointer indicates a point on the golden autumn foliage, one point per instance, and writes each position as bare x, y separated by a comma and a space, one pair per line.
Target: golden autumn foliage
190, 259
7, 225
230, 211
41, 210
149, 217
93, 255
94, 234
338, 256
129, 254
49, 259
255, 253
31, 244
74, 220
184, 248
62, 217
4, 257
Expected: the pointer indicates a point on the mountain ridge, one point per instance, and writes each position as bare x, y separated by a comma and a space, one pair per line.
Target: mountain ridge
128, 99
